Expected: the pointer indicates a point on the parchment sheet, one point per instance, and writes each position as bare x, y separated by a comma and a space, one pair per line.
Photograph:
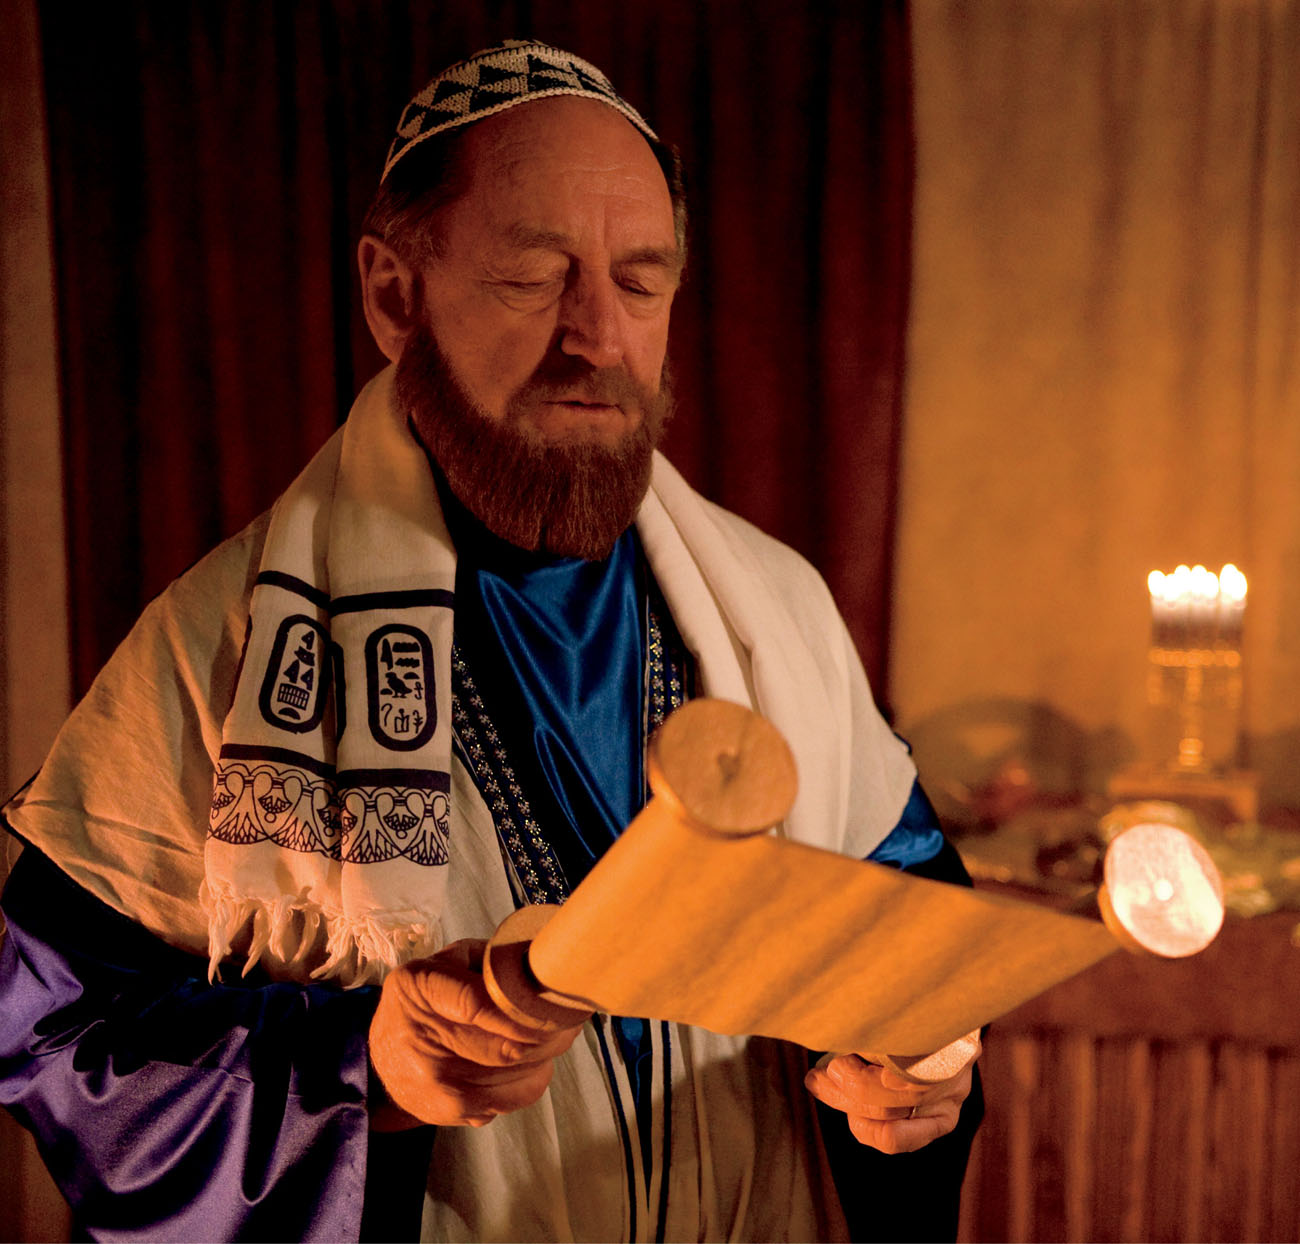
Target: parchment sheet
764, 936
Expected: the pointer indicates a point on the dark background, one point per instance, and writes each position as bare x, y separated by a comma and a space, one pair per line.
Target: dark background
211, 163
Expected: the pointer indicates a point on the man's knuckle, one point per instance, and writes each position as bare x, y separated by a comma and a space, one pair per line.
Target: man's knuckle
463, 1004
508, 1053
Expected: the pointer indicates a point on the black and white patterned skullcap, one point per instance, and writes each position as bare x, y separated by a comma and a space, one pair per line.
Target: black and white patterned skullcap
495, 79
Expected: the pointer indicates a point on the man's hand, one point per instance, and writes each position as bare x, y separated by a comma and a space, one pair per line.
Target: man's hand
885, 1111
446, 1054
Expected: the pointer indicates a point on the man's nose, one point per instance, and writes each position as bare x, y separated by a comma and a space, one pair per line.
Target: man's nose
591, 321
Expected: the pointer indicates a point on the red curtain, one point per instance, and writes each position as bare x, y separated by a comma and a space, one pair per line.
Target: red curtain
210, 166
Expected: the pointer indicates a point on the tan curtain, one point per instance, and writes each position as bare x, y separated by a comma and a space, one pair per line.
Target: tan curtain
33, 615
34, 655
1102, 373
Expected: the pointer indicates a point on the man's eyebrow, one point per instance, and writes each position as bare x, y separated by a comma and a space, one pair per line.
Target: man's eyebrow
528, 237
663, 256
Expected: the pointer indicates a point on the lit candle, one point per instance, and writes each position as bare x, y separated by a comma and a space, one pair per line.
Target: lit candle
1193, 608
1204, 607
1163, 610
1232, 604
1181, 593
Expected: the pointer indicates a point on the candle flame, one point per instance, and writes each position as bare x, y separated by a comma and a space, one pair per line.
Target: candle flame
1232, 583
1195, 583
1204, 583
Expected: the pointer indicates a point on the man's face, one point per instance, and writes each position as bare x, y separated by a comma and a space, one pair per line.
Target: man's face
535, 374
550, 295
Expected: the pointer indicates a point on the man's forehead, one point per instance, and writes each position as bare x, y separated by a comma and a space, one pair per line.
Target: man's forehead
532, 173
577, 133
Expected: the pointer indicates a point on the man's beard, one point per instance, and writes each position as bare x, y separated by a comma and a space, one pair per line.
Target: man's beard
571, 499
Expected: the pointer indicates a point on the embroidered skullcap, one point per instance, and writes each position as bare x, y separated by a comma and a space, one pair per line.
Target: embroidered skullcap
497, 78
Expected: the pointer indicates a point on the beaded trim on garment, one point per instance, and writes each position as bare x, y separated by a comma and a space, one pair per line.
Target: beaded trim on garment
535, 872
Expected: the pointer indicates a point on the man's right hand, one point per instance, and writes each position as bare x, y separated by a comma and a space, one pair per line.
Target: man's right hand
446, 1054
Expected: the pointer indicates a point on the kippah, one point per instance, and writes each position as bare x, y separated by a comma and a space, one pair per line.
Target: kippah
497, 78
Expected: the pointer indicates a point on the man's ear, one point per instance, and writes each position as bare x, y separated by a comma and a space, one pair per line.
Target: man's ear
390, 295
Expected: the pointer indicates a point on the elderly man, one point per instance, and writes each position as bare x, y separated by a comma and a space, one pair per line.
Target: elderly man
415, 696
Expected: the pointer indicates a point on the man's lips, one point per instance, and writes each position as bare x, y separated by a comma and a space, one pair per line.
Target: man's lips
581, 409
586, 403
563, 418
585, 408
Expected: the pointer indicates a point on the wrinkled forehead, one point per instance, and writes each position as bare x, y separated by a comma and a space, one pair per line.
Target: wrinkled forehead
561, 138
561, 170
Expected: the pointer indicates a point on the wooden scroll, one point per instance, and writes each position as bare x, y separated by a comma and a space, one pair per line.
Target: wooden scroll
695, 914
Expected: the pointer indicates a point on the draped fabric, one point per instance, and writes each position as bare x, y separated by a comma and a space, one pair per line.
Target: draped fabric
253, 1093
33, 653
211, 164
1102, 370
247, 1102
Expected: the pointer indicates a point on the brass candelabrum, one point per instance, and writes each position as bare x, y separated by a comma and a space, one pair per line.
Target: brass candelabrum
1195, 668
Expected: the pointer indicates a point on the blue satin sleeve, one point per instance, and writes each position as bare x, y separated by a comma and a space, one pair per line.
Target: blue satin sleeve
168, 1108
916, 839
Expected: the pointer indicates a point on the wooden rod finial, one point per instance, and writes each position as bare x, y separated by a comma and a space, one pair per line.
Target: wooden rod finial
1161, 894
723, 768
511, 983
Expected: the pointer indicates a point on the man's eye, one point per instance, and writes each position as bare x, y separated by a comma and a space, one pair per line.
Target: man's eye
534, 287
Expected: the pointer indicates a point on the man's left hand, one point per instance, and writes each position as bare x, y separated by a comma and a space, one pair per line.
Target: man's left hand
884, 1110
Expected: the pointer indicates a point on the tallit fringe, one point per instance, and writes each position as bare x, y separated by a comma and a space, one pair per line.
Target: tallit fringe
363, 950
359, 951
226, 916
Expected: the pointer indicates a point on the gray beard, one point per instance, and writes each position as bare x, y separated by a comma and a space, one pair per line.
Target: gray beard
568, 500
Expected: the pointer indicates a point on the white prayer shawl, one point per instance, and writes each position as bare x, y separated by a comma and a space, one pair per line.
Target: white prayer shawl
311, 821
122, 805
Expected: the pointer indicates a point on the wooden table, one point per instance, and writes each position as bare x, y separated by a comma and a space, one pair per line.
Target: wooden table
1148, 1100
